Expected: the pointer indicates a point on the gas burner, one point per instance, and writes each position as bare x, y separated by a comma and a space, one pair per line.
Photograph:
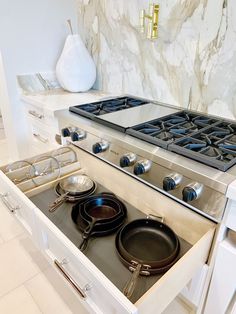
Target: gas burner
199, 137
214, 146
107, 106
164, 131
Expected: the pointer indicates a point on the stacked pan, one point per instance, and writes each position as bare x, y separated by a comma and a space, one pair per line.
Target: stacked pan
98, 215
73, 189
146, 247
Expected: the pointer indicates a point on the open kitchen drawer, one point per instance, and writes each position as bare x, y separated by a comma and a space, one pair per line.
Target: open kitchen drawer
97, 291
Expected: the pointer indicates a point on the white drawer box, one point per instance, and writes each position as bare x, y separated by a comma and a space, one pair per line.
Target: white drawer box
102, 296
96, 289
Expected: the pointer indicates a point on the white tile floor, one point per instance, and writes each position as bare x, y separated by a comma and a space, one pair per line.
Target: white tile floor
28, 283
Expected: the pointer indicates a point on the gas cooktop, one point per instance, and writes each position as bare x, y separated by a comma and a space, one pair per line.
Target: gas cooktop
204, 138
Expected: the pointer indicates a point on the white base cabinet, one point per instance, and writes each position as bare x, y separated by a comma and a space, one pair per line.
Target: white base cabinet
222, 293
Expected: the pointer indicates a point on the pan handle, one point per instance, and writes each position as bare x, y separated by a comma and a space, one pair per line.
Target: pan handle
83, 245
159, 218
130, 285
57, 202
86, 235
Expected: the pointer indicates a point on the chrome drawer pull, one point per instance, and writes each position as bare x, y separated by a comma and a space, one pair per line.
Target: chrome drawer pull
11, 207
40, 138
70, 279
36, 114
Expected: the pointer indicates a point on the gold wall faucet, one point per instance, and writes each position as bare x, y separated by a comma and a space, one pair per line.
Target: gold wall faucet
152, 17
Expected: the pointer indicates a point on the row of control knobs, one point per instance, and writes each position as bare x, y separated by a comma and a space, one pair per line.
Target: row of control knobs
189, 193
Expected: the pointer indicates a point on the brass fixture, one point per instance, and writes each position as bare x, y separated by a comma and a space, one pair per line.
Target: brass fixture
152, 27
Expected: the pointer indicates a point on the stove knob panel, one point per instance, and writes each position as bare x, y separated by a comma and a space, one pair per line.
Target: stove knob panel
78, 135
192, 192
65, 132
142, 166
172, 181
128, 160
100, 147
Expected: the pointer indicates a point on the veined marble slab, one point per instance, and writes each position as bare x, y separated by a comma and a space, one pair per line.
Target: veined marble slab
192, 63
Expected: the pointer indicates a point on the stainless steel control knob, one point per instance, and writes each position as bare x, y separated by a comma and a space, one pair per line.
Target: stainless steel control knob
100, 147
142, 166
78, 135
192, 191
128, 160
172, 181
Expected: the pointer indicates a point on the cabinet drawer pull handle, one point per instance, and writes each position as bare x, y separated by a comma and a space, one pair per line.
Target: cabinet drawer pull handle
40, 138
12, 208
70, 279
36, 114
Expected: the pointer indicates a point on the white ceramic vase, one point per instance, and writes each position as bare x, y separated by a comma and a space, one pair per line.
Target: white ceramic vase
75, 69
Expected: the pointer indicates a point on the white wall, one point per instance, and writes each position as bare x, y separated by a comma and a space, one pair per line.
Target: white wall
32, 34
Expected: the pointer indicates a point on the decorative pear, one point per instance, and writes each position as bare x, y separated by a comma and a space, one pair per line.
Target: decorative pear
75, 69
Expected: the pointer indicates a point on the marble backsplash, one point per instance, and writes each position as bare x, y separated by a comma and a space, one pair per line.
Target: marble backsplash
192, 63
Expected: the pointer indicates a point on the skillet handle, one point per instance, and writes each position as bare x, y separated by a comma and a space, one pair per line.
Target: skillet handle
86, 235
83, 245
130, 285
60, 200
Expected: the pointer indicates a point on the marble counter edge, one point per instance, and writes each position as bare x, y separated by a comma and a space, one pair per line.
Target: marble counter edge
50, 102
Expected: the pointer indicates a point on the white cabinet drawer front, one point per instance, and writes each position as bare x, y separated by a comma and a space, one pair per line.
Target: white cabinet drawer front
38, 114
99, 294
17, 203
43, 137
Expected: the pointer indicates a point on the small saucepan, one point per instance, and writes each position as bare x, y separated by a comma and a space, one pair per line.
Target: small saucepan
76, 185
146, 246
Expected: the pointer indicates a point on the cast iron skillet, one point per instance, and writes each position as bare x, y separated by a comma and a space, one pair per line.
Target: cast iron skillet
80, 215
100, 209
147, 246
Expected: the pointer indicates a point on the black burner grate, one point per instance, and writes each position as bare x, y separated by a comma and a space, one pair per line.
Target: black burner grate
203, 138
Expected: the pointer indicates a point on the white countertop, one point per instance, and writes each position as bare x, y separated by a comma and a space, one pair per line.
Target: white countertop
58, 99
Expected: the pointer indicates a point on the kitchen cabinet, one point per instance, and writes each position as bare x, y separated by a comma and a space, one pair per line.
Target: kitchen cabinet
43, 128
222, 292
91, 285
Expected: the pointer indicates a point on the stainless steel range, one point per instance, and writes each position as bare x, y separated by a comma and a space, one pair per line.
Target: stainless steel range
145, 160
150, 141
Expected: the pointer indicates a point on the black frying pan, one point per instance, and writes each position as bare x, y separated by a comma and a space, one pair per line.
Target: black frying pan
148, 246
149, 241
